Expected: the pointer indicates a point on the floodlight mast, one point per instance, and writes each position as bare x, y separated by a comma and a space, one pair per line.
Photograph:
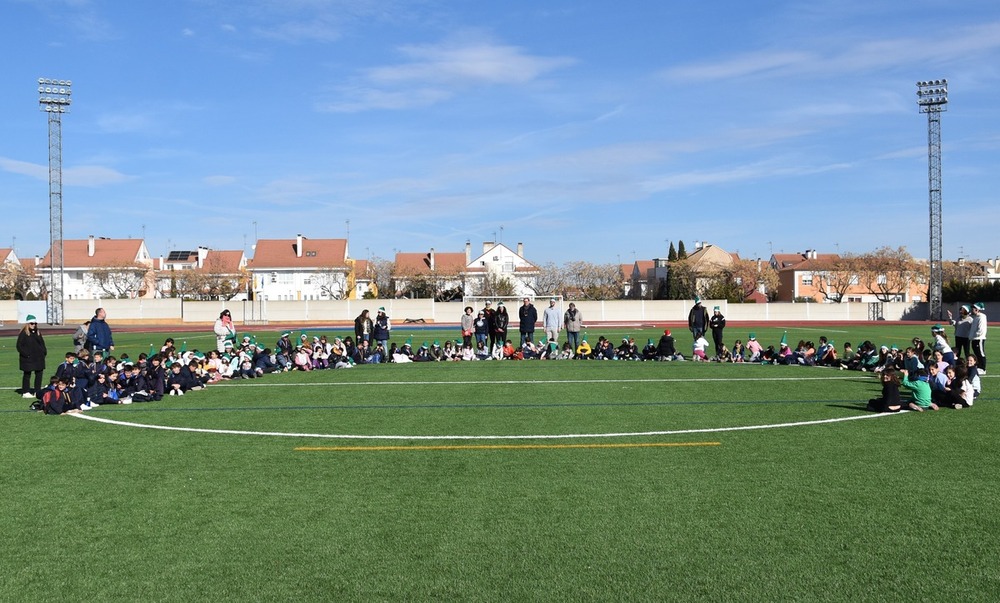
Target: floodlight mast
54, 97
932, 99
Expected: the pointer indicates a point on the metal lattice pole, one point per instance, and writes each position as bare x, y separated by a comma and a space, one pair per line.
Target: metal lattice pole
54, 97
932, 98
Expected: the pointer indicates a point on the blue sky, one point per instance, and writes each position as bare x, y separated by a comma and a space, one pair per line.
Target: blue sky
585, 129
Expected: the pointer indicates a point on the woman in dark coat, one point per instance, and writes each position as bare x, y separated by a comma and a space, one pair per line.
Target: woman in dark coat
31, 349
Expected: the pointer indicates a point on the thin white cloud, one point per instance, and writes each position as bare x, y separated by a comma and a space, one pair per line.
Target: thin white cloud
24, 168
753, 63
92, 175
436, 72
861, 56
84, 175
482, 63
187, 32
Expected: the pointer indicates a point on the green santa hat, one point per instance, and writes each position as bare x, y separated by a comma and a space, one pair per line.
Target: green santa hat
784, 338
184, 347
409, 341
151, 350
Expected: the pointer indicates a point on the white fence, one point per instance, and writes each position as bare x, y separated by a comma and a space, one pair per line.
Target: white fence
176, 311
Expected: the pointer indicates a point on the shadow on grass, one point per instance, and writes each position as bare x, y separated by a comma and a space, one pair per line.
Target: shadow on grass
859, 406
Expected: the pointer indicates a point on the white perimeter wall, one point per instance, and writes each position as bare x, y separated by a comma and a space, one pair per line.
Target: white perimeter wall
620, 311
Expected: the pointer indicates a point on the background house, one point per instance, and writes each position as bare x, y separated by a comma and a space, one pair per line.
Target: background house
299, 268
202, 274
100, 267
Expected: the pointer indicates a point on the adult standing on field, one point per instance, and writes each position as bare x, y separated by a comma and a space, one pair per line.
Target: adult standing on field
963, 327
552, 321
468, 327
573, 321
224, 330
501, 320
528, 316
717, 323
80, 337
697, 319
363, 327
381, 328
977, 334
32, 352
99, 334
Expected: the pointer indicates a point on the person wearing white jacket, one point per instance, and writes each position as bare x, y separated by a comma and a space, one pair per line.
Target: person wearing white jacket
977, 333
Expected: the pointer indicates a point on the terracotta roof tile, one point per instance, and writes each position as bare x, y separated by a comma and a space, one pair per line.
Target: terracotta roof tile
107, 252
316, 253
445, 262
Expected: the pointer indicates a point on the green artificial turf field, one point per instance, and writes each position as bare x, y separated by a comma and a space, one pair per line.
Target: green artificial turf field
505, 481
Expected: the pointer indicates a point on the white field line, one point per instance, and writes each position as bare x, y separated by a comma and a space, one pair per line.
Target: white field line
479, 437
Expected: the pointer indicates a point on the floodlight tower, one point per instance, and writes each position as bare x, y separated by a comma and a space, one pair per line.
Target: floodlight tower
54, 97
932, 98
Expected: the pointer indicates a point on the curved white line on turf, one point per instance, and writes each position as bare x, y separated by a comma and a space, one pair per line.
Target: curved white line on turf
476, 437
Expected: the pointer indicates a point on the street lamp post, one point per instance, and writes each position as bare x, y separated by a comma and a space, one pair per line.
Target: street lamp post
54, 97
932, 99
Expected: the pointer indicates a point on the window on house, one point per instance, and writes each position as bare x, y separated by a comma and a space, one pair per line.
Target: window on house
807, 279
508, 267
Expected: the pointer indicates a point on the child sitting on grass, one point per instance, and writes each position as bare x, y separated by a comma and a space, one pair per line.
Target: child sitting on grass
890, 400
920, 389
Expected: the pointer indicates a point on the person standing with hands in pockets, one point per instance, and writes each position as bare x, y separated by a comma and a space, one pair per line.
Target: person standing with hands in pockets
32, 352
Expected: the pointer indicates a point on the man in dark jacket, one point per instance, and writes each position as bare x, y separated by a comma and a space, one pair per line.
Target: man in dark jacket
99, 333
697, 319
528, 317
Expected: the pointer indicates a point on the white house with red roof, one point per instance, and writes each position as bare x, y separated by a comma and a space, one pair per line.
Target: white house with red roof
462, 274
300, 269
102, 268
210, 264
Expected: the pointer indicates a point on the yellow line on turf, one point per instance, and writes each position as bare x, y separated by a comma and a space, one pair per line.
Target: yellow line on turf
497, 447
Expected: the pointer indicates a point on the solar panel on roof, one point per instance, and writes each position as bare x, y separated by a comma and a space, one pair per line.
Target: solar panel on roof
179, 256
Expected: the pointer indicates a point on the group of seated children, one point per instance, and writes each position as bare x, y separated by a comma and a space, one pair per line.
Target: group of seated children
85, 381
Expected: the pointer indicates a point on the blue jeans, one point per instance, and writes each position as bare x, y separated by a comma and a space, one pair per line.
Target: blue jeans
573, 337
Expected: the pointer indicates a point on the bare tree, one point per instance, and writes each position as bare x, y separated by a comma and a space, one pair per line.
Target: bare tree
381, 270
887, 273
495, 285
212, 281
740, 280
551, 280
595, 281
835, 278
119, 281
15, 281
331, 281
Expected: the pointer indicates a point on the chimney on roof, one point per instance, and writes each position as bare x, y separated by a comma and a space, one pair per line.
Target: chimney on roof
431, 257
468, 252
487, 245
298, 245
520, 249
38, 260
90, 246
202, 254
811, 254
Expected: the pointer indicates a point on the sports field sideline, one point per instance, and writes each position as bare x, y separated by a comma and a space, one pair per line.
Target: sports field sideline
505, 481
